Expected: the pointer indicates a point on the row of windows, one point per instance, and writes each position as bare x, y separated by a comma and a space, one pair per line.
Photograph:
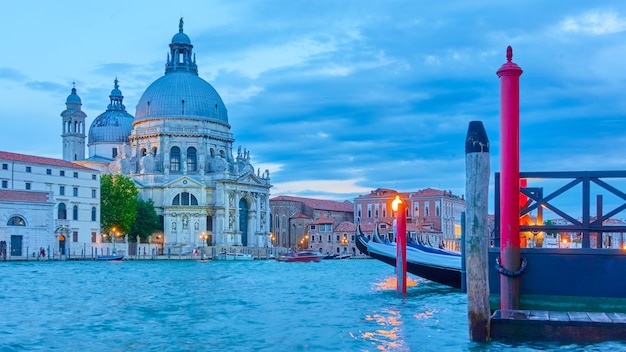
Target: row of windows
339, 238
62, 212
28, 186
5, 166
323, 227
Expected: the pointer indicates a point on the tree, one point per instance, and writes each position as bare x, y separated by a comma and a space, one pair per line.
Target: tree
147, 220
118, 203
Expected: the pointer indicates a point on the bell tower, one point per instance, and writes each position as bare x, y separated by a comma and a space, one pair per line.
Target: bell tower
73, 128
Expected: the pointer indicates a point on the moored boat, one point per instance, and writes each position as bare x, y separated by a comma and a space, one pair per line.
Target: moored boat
301, 256
233, 256
116, 258
429, 263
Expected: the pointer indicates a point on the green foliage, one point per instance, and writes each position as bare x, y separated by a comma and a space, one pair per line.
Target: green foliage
147, 221
118, 203
550, 223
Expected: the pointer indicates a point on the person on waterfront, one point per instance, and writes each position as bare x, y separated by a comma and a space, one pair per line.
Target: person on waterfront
42, 252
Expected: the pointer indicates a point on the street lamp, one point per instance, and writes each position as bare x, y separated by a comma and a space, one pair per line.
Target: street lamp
398, 206
203, 238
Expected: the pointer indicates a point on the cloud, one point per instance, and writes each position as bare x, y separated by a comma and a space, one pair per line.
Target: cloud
594, 22
46, 86
336, 187
10, 74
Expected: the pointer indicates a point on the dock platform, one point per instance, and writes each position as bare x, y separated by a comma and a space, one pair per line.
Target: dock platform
566, 327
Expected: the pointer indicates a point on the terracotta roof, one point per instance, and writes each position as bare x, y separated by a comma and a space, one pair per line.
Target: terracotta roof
41, 160
300, 216
319, 204
24, 196
346, 226
323, 221
429, 192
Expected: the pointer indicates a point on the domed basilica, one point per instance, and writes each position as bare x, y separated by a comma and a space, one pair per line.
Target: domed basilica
178, 149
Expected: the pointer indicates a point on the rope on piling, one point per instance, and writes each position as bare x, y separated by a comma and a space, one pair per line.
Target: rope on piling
509, 273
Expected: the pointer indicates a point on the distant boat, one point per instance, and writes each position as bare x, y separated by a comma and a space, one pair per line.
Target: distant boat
301, 256
233, 256
430, 263
116, 258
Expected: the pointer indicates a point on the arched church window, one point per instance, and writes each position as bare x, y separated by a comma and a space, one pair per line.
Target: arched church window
222, 153
185, 198
62, 212
192, 159
175, 159
212, 152
16, 221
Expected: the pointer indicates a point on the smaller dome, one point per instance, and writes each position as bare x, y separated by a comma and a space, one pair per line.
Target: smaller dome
112, 126
73, 98
181, 38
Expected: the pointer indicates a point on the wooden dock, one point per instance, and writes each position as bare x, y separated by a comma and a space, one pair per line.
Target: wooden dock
565, 327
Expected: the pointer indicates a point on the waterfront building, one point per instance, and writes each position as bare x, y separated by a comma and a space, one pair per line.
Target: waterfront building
48, 204
331, 239
432, 214
292, 217
178, 149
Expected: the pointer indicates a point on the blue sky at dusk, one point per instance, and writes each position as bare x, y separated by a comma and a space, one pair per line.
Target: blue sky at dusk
337, 98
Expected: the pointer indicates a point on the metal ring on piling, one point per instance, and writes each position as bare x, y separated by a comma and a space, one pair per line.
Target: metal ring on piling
509, 273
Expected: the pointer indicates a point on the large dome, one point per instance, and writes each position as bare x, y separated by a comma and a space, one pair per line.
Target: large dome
181, 94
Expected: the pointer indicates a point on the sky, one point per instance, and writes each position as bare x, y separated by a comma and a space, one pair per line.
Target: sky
337, 98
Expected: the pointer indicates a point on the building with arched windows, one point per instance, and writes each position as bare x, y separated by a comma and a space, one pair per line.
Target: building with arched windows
178, 149
47, 204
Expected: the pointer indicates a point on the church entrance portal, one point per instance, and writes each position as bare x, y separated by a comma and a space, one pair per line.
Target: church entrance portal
62, 244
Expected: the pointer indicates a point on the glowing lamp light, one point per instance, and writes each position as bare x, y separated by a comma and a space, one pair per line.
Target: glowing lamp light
395, 203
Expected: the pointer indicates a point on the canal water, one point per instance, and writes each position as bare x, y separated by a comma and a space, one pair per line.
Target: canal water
264, 305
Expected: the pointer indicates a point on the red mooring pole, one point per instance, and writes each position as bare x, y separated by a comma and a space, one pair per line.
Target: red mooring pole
509, 75
399, 207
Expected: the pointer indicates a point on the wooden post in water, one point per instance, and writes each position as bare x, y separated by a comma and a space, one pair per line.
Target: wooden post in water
477, 230
400, 209
509, 75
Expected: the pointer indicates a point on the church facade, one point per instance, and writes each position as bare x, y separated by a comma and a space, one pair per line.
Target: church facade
178, 149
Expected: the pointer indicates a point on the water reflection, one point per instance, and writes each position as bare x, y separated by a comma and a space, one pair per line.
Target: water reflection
390, 283
389, 336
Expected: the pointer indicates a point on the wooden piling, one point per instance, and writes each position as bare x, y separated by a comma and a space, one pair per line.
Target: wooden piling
477, 231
